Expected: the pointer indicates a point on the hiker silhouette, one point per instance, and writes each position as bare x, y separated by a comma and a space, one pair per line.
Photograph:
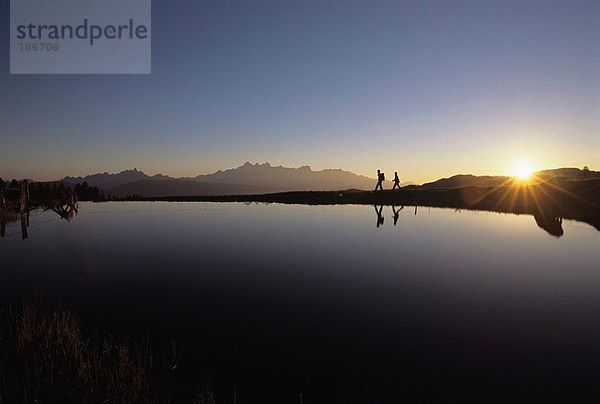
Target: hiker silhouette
379, 213
380, 179
396, 181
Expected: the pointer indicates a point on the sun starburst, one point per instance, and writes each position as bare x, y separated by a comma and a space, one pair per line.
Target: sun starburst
523, 170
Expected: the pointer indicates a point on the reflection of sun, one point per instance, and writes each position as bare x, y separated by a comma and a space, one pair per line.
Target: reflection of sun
523, 170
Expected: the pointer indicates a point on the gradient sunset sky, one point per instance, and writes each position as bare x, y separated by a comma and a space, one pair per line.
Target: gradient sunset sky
429, 89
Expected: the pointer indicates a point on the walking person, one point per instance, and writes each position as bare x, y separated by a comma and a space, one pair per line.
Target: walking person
396, 181
380, 179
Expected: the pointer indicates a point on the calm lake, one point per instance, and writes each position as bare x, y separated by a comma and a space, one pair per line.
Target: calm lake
332, 302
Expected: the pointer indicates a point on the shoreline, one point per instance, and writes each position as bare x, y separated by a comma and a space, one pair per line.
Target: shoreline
544, 201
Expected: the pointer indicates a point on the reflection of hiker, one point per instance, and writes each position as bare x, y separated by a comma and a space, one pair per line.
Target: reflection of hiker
380, 179
396, 213
396, 181
379, 213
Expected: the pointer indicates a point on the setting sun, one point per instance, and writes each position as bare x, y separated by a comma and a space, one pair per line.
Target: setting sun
523, 170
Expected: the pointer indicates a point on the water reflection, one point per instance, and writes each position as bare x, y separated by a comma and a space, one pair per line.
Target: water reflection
396, 213
379, 213
67, 212
24, 224
319, 290
552, 225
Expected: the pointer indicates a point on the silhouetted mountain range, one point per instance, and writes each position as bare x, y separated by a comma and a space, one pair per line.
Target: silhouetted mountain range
568, 173
264, 178
107, 181
284, 178
246, 179
465, 180
486, 181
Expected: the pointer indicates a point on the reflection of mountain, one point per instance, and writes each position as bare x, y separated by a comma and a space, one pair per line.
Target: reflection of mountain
553, 225
248, 178
180, 187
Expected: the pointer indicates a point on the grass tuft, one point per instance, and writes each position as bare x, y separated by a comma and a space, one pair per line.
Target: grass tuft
45, 358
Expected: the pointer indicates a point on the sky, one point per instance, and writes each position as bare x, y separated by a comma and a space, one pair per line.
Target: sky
425, 88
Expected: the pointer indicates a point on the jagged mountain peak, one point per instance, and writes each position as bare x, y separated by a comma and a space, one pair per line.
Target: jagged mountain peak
106, 180
248, 176
248, 164
288, 178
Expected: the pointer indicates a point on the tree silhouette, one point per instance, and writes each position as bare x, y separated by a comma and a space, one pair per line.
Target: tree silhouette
14, 183
1, 183
86, 193
585, 172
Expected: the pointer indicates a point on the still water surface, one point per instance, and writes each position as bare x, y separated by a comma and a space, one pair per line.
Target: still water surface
333, 302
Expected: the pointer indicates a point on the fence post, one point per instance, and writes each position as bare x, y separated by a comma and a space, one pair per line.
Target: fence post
2, 200
23, 195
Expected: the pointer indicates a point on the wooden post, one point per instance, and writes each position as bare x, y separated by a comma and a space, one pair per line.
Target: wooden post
2, 214
22, 197
2, 223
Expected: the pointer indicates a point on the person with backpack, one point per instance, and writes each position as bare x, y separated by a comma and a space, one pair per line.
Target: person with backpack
380, 179
396, 181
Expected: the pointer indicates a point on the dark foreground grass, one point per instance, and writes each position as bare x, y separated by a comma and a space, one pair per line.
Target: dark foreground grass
45, 358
